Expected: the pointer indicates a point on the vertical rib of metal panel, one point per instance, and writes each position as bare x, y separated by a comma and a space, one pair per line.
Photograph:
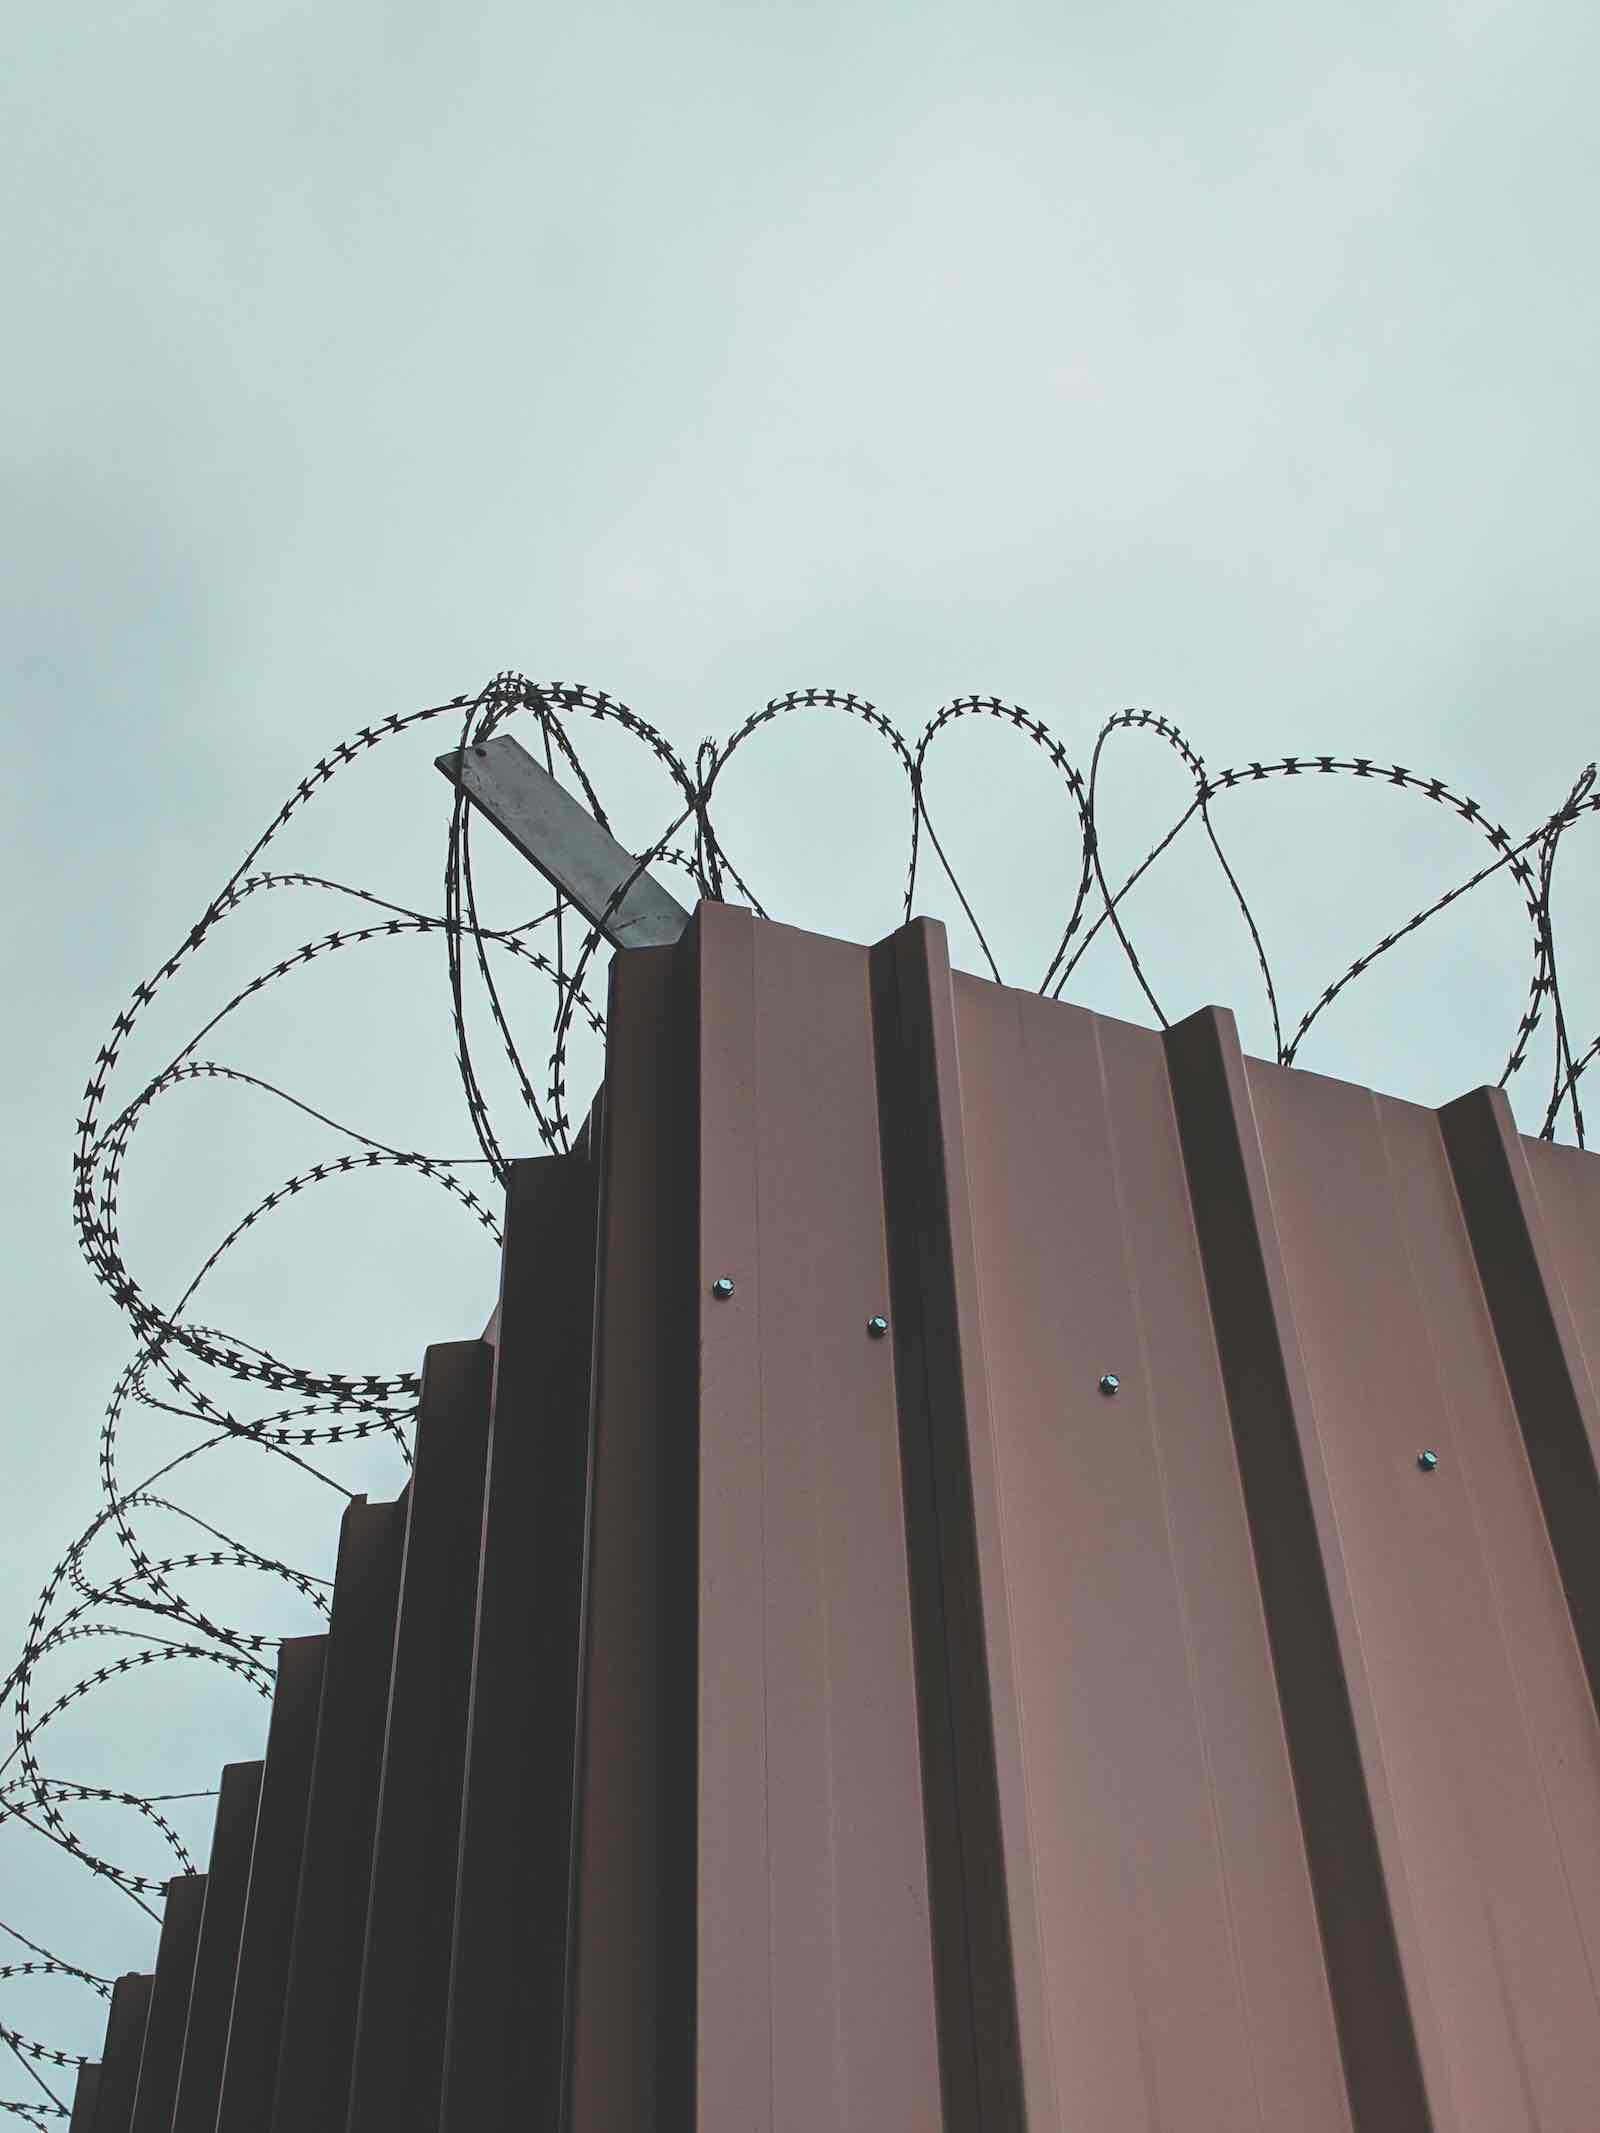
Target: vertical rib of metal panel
984, 1923
633, 2013
1322, 1689
256, 2020
324, 1971
503, 2049
169, 2004
1566, 1183
1487, 1751
205, 2035
399, 2038
85, 2098
119, 2062
735, 2061
1160, 1847
814, 1988
1542, 1354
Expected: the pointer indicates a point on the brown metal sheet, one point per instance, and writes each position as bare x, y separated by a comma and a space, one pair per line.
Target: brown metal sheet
1367, 1922
1549, 1375
1183, 1965
632, 2053
256, 2020
735, 2073
815, 1985
324, 1975
1449, 1571
119, 2062
907, 1727
169, 2004
1566, 1183
85, 2098
506, 2022
994, 2047
399, 2048
205, 2035
1166, 1872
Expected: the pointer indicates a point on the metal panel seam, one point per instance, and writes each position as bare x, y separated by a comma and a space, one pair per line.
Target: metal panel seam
1332, 1742
591, 1145
1539, 1348
205, 2033
255, 2023
1181, 1600
735, 2081
323, 1977
505, 1991
632, 2058
1471, 1492
169, 2004
124, 2046
85, 2098
397, 2036
960, 1640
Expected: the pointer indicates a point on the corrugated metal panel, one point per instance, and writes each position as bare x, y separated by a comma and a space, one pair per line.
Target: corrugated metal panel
1455, 1601
119, 2062
809, 1812
205, 2036
506, 1992
330, 1914
255, 2021
85, 2098
633, 1993
1173, 1957
878, 1720
169, 2004
399, 2044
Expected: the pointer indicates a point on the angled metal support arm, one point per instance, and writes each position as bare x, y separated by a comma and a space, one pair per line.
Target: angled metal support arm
563, 840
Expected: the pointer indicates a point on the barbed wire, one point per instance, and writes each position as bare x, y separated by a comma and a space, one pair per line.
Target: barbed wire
325, 1409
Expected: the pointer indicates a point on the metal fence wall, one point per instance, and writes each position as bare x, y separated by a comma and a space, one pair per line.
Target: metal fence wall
1001, 1570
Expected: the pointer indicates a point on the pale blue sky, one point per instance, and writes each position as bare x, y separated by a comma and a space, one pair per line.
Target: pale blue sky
1239, 362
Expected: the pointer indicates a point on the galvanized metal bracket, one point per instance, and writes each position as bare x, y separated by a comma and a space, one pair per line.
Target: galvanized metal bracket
556, 833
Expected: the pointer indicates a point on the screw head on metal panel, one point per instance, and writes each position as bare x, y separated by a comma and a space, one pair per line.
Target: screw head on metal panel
1110, 1383
722, 1286
877, 1326
1427, 1461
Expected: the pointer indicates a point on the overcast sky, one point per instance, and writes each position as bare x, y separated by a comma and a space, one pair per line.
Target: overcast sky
1235, 361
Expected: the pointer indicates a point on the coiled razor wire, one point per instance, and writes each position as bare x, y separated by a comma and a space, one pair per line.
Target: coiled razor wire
562, 948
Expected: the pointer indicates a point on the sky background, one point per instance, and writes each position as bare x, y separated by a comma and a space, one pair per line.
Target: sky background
1238, 362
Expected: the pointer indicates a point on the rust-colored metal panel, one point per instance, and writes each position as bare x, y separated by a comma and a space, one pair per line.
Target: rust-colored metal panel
169, 2004
324, 1975
508, 1963
205, 2035
399, 2045
256, 2020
